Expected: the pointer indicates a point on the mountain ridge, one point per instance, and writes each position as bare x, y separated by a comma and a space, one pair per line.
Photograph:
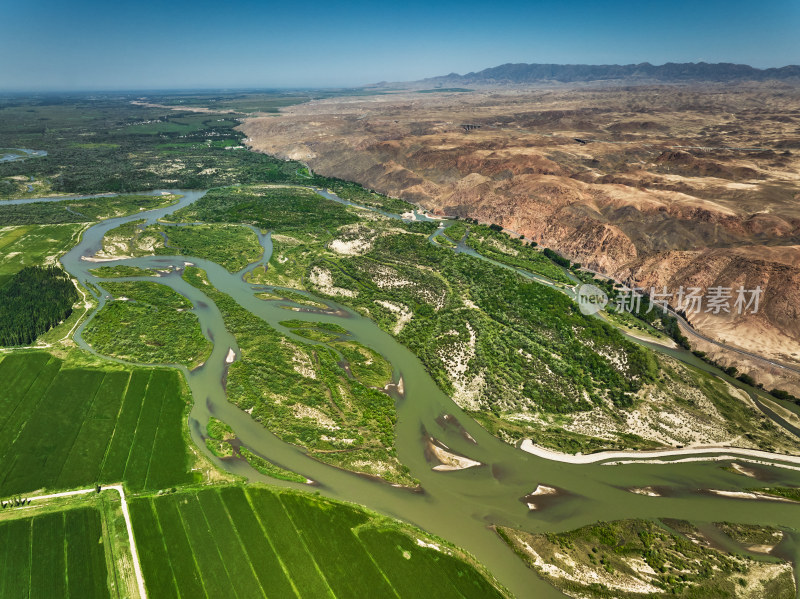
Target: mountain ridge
520, 73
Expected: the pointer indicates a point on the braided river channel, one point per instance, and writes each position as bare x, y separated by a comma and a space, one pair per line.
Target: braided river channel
461, 505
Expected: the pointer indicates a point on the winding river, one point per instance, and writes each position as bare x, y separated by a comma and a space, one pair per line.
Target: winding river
459, 506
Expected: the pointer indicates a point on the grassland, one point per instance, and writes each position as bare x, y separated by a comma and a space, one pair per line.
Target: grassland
57, 554
30, 245
635, 558
64, 426
151, 325
258, 542
302, 392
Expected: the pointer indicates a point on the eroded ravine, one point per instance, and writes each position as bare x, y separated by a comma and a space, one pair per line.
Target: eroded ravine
459, 505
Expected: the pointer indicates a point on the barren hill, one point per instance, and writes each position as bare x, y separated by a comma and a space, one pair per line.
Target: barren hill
676, 185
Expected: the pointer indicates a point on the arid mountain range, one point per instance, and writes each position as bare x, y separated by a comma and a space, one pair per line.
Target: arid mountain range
693, 185
522, 73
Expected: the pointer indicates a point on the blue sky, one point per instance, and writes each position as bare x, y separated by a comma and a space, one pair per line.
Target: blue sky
109, 45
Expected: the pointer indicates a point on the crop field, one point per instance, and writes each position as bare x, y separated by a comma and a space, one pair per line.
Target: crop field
33, 246
153, 325
63, 427
257, 542
56, 554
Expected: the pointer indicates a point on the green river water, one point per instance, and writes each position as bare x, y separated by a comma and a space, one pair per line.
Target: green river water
459, 506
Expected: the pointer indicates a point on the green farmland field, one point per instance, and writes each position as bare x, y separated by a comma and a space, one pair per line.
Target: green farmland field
257, 542
57, 554
63, 426
31, 245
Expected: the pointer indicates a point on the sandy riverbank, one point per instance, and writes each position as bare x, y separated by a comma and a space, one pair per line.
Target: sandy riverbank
705, 453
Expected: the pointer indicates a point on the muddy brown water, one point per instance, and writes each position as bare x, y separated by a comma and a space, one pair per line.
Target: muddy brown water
459, 506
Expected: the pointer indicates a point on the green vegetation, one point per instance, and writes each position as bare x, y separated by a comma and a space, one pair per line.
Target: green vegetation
751, 534
148, 323
35, 300
64, 426
353, 192
293, 296
629, 322
232, 247
220, 443
445, 241
103, 144
792, 493
122, 270
517, 355
633, 558
285, 209
307, 324
513, 251
456, 231
257, 541
79, 211
219, 435
316, 331
267, 468
526, 340
57, 554
301, 393
32, 245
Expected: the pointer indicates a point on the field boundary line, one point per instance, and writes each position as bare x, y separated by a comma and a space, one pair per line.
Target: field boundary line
374, 563
37, 401
111, 564
244, 548
234, 590
154, 511
116, 424
179, 518
86, 420
164, 401
305, 545
272, 544
137, 567
138, 420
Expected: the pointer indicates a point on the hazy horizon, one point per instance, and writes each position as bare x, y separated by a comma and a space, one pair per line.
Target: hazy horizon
93, 46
